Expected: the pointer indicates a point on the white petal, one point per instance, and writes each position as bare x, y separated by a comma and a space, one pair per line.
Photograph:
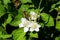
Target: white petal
29, 26
23, 20
26, 23
37, 29
21, 25
38, 26
31, 29
26, 29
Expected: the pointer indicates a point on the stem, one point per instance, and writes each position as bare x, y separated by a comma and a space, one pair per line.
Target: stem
40, 3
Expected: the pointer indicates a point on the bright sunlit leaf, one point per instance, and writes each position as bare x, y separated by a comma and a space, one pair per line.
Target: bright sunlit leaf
24, 7
53, 6
33, 35
9, 18
58, 25
19, 34
48, 20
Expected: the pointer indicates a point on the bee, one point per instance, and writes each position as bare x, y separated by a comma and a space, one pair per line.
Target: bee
26, 15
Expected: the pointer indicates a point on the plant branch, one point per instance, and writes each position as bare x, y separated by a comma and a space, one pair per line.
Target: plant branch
40, 3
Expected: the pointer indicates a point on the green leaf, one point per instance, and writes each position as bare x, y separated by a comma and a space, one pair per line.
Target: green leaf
2, 30
24, 8
6, 1
58, 25
58, 17
19, 34
3, 39
2, 10
57, 38
58, 9
53, 6
48, 20
33, 35
7, 21
51, 22
35, 10
25, 1
6, 6
58, 2
5, 36
9, 18
15, 23
44, 17
41, 9
17, 20
3, 33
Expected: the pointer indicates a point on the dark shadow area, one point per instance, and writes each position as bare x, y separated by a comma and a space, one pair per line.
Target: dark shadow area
36, 3
3, 18
12, 10
48, 33
54, 15
10, 28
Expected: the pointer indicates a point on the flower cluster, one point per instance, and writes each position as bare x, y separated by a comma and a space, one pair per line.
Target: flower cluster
30, 25
33, 16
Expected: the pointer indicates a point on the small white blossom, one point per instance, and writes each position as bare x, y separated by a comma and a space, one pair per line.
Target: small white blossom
24, 24
33, 15
34, 26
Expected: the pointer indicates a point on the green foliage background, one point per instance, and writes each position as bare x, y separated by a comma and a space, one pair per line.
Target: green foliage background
10, 15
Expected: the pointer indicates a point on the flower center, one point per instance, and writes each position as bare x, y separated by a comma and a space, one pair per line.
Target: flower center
26, 23
33, 26
34, 17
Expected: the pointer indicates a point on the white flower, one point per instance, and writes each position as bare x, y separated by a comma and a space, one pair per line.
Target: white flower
24, 24
34, 26
33, 15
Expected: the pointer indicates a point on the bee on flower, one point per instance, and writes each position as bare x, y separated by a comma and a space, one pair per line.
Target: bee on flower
30, 25
24, 24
